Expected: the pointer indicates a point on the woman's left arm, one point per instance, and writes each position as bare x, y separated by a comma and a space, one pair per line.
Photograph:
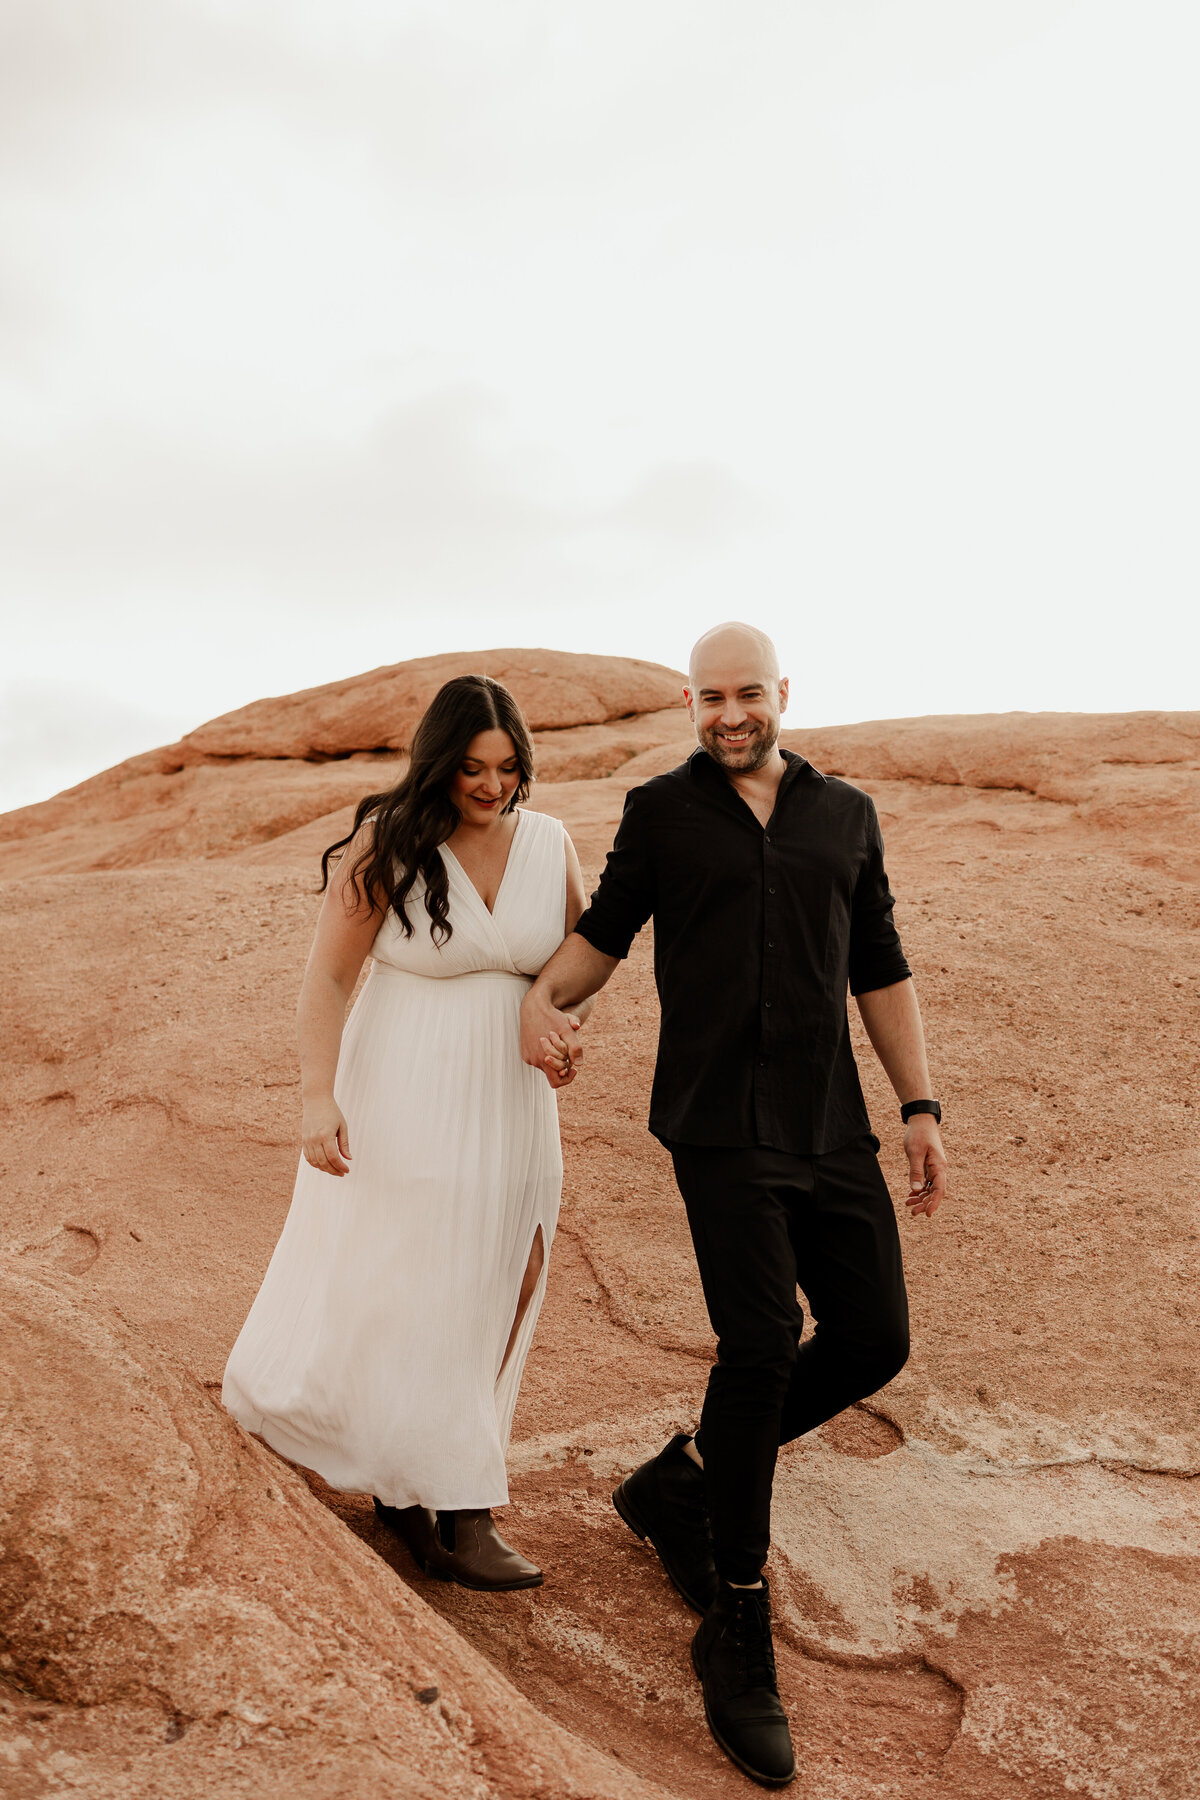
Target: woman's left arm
558, 1062
576, 898
576, 907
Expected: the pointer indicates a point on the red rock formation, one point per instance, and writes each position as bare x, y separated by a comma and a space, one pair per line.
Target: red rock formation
182, 1618
986, 1577
556, 689
255, 774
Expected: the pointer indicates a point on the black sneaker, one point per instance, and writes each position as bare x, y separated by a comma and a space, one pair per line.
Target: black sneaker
666, 1501
733, 1655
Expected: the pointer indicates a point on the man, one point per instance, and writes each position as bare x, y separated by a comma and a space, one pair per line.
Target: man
766, 883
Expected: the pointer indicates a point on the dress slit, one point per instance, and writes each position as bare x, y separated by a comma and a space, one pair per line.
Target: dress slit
512, 1365
522, 1307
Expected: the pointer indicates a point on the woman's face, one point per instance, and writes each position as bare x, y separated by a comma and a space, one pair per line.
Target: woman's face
486, 779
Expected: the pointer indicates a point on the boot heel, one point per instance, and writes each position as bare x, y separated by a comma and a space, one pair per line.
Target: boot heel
624, 1512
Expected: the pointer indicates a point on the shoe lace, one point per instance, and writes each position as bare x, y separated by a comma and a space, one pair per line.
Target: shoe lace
750, 1635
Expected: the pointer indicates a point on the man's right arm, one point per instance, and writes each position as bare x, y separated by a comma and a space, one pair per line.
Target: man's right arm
574, 972
584, 961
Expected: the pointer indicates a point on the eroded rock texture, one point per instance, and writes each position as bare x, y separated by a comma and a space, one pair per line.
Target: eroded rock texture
987, 1578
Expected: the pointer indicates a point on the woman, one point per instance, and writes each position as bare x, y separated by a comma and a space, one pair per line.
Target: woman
386, 1345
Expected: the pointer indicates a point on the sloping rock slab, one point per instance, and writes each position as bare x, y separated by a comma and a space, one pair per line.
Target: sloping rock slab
180, 1618
1056, 756
378, 711
271, 768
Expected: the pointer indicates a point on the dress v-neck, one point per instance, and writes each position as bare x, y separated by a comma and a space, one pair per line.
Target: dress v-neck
512, 844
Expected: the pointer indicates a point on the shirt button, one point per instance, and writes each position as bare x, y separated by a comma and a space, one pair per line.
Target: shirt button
769, 838
770, 943
770, 890
767, 1004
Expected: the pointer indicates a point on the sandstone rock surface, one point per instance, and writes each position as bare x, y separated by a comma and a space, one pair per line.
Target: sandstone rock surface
988, 1577
257, 773
557, 689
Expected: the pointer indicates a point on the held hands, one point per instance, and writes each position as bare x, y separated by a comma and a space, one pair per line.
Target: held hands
561, 1055
926, 1165
541, 1024
326, 1140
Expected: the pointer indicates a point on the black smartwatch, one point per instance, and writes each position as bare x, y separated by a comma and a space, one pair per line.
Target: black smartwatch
917, 1106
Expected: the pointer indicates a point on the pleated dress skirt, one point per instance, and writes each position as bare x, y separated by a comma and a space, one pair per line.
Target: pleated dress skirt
374, 1352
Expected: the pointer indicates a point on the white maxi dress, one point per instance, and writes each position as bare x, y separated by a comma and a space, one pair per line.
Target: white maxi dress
374, 1352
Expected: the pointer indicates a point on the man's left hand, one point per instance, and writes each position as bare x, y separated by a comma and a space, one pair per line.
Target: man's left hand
926, 1165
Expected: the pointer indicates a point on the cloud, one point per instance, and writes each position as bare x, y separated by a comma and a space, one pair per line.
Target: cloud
333, 332
691, 503
440, 499
55, 733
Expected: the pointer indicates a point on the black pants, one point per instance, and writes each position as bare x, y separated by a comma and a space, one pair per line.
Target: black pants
763, 1222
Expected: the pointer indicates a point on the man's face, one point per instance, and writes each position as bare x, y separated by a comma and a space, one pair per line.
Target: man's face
735, 707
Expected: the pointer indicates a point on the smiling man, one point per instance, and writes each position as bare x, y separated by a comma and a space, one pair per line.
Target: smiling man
766, 883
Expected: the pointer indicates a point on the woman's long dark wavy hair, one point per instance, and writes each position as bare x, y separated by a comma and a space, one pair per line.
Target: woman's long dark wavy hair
417, 815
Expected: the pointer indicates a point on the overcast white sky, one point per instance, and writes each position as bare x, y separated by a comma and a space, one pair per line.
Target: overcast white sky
334, 332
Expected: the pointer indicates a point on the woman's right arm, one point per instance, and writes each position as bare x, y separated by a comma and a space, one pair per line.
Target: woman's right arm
345, 932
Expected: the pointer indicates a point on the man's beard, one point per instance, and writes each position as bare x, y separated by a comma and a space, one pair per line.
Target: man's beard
751, 757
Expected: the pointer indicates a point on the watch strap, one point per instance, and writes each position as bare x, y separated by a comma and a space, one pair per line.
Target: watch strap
921, 1106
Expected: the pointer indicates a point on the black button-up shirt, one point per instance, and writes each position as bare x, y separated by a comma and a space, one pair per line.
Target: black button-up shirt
757, 936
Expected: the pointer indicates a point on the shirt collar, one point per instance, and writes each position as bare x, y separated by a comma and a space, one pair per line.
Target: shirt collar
701, 767
710, 776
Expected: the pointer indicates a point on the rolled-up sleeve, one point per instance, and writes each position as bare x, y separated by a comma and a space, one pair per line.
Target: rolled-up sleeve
877, 959
624, 899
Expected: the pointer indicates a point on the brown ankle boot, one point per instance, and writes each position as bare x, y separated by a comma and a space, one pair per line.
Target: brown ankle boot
468, 1549
417, 1525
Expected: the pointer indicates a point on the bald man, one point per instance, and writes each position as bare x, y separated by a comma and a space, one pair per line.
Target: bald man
766, 883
